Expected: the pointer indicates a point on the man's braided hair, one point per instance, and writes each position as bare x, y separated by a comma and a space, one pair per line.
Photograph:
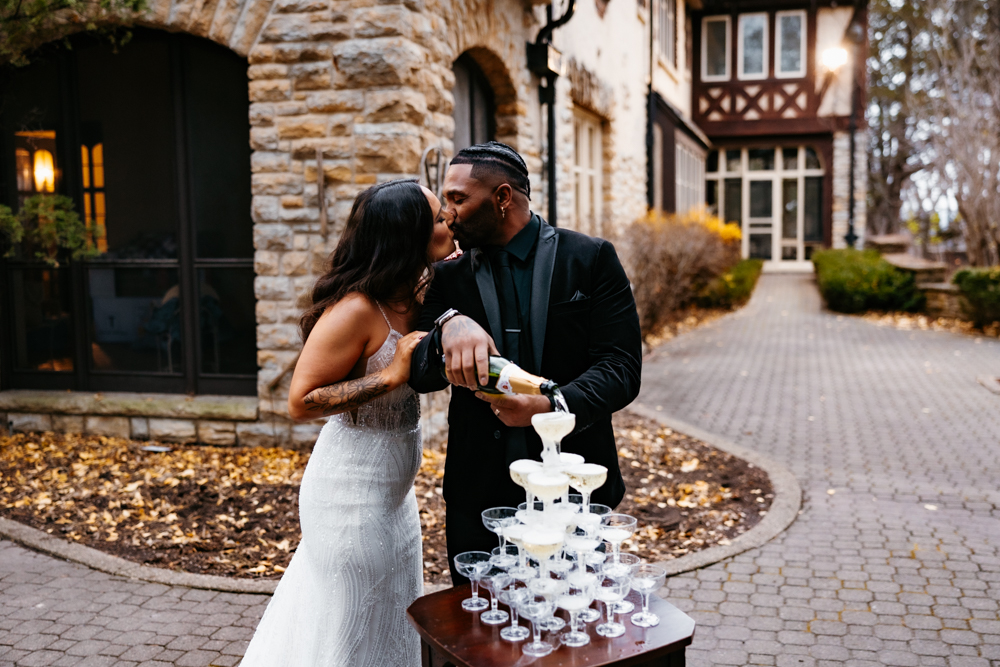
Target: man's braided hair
498, 160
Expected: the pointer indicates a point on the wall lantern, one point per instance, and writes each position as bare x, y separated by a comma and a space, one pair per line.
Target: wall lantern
44, 171
834, 58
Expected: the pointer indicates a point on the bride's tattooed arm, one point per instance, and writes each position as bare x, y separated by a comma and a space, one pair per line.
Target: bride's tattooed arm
346, 396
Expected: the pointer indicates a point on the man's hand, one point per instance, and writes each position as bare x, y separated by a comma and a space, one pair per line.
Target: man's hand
516, 409
467, 348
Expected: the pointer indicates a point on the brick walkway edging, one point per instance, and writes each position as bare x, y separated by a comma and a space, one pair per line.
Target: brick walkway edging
784, 507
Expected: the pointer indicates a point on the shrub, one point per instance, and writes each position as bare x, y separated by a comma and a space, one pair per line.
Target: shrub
981, 289
732, 288
45, 225
670, 259
852, 281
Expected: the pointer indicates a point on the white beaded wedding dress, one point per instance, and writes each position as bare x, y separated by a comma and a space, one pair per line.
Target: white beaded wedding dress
342, 602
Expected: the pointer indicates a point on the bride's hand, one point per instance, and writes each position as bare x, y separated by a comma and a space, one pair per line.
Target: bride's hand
399, 369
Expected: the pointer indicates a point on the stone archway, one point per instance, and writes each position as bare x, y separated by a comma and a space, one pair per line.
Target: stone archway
504, 93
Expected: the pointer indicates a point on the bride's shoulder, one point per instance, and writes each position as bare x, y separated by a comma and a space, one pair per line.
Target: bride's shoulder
354, 307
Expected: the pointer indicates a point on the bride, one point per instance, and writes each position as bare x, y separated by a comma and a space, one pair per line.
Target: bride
342, 602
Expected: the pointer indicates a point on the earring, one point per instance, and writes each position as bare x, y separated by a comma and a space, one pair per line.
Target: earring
503, 213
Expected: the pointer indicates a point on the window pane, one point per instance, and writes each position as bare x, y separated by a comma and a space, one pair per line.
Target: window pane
790, 158
135, 320
813, 209
760, 246
712, 196
812, 160
712, 162
789, 252
42, 324
791, 43
126, 109
733, 160
789, 208
715, 47
760, 159
753, 44
760, 199
218, 151
734, 200
227, 321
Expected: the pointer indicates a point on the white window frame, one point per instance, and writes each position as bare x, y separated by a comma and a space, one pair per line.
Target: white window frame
704, 48
689, 174
743, 76
588, 175
801, 72
666, 17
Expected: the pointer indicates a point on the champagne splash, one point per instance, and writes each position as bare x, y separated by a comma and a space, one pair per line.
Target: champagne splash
560, 400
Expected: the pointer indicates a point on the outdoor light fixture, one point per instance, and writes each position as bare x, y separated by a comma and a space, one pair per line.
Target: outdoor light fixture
834, 58
45, 171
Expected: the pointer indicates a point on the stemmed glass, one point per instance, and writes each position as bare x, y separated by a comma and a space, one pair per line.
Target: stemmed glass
497, 518
473, 565
552, 427
513, 597
536, 609
495, 581
504, 557
586, 478
519, 471
548, 486
646, 579
616, 528
543, 542
626, 566
550, 589
577, 597
611, 591
522, 571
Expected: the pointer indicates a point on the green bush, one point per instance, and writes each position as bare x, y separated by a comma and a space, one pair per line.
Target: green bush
853, 281
734, 287
981, 289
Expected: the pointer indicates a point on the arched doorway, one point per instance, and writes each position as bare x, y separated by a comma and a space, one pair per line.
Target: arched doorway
475, 104
150, 143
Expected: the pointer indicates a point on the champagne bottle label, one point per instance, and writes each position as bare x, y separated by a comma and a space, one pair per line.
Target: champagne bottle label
503, 381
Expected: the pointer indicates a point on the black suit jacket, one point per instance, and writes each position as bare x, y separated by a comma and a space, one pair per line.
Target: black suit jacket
585, 336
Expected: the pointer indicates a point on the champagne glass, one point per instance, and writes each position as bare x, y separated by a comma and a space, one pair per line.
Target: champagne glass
548, 486
611, 591
550, 589
495, 580
513, 597
504, 557
497, 518
586, 478
616, 528
626, 566
536, 609
542, 543
552, 427
577, 597
473, 565
533, 515
521, 571
519, 471
646, 579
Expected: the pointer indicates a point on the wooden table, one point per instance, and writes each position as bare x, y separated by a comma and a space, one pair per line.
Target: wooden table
453, 637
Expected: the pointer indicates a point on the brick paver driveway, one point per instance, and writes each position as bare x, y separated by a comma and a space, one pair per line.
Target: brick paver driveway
892, 421
895, 558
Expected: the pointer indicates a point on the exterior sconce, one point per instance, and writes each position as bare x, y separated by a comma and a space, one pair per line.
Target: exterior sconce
44, 171
834, 58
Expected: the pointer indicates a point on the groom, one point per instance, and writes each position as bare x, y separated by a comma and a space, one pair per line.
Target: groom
555, 302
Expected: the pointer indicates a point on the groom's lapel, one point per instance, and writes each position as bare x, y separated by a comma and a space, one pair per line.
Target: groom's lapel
488, 293
541, 282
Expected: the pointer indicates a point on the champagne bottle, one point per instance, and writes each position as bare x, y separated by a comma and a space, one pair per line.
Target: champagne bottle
506, 377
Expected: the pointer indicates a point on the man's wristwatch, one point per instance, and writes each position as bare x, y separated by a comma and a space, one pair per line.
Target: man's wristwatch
447, 315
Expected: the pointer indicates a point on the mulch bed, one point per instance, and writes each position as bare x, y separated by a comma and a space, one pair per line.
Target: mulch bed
234, 511
911, 322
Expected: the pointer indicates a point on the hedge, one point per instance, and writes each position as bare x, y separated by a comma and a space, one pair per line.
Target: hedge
734, 287
981, 289
854, 281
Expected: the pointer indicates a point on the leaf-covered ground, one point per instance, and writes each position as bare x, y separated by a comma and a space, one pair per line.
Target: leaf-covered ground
234, 511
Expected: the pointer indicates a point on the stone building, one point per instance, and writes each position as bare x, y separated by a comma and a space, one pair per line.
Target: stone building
219, 153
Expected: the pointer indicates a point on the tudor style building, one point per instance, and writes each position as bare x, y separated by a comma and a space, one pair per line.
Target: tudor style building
219, 152
773, 92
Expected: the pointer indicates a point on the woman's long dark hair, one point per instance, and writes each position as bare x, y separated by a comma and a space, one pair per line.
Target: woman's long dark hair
382, 252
